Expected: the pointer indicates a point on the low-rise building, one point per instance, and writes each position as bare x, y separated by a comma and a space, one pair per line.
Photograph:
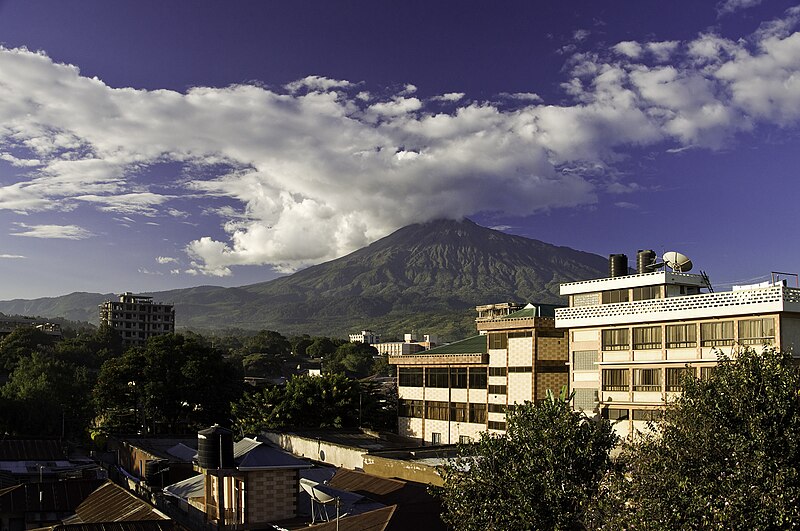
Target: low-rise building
137, 318
365, 336
633, 337
451, 393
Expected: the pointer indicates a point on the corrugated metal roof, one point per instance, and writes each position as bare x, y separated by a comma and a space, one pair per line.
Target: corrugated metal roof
376, 520
31, 450
57, 496
141, 525
188, 488
365, 483
112, 503
471, 345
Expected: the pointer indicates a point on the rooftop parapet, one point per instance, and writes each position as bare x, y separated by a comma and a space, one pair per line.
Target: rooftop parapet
771, 299
655, 278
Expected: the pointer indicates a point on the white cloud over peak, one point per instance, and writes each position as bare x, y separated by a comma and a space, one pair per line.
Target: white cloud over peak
62, 232
12, 256
322, 167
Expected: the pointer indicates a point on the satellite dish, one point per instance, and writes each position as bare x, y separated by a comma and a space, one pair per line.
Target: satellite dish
677, 261
316, 494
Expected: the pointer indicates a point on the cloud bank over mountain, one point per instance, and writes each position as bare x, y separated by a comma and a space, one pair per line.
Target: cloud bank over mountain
307, 172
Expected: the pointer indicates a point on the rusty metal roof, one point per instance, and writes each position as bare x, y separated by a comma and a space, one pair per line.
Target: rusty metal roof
376, 520
57, 496
112, 503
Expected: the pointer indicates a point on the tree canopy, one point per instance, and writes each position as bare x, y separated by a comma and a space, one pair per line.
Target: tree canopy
725, 456
543, 473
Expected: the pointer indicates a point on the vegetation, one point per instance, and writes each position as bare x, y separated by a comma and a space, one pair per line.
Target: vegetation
725, 456
543, 473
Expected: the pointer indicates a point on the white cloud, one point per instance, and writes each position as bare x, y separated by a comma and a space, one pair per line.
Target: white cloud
730, 6
63, 232
628, 48
322, 167
12, 256
166, 260
530, 97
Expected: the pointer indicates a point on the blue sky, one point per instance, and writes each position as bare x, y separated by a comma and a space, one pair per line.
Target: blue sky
151, 145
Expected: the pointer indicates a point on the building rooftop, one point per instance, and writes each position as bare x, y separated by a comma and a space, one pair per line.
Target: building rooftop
771, 299
471, 345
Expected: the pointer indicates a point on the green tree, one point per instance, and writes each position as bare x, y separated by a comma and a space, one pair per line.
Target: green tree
322, 347
45, 396
543, 473
356, 359
173, 383
328, 401
725, 456
21, 343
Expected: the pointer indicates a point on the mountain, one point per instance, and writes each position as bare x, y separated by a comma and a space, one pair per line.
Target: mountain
427, 277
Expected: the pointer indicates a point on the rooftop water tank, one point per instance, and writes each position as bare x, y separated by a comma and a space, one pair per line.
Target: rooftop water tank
617, 265
215, 447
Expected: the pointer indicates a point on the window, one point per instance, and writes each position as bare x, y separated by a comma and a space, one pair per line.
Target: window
497, 408
615, 295
464, 439
615, 414
586, 399
410, 408
647, 379
520, 369
517, 335
436, 438
650, 415
646, 293
615, 379
681, 336
409, 377
459, 412
495, 425
436, 410
706, 372
498, 340
477, 413
436, 377
757, 331
458, 377
584, 360
717, 334
477, 378
616, 339
497, 371
497, 389
647, 338
676, 376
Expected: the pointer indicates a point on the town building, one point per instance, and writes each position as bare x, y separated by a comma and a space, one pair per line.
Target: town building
367, 337
137, 318
634, 337
411, 344
451, 393
9, 324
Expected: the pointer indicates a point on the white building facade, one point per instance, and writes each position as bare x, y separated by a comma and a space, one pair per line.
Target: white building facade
633, 338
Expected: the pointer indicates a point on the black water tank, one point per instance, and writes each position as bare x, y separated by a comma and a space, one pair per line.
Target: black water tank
617, 265
215, 447
154, 471
644, 261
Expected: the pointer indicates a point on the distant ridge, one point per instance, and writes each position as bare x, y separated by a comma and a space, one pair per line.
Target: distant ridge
425, 276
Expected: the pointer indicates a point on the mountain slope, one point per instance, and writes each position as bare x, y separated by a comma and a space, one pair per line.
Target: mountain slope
424, 276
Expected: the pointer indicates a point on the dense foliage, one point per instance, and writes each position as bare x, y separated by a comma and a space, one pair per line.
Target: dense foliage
725, 456
543, 473
327, 401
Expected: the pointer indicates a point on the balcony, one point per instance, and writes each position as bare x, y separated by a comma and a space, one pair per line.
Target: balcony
770, 299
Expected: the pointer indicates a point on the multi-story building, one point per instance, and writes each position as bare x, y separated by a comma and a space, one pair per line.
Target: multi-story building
365, 336
137, 318
410, 345
633, 337
453, 392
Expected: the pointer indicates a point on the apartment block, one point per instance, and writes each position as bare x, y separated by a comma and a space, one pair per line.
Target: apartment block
634, 337
452, 393
137, 318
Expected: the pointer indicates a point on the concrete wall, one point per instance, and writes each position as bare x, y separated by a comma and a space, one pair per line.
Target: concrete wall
318, 450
